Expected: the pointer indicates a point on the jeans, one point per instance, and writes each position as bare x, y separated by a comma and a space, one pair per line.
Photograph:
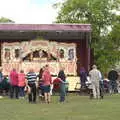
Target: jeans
113, 86
62, 92
32, 94
21, 91
101, 88
14, 89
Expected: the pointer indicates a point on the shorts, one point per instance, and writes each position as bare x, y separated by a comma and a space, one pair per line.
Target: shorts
46, 88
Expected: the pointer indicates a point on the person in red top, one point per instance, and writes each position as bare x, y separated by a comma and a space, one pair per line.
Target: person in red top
47, 81
14, 84
21, 83
56, 85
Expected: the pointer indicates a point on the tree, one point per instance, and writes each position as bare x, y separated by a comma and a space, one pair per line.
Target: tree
100, 14
115, 33
5, 20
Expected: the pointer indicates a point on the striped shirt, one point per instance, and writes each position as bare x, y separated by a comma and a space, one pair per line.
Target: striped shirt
31, 77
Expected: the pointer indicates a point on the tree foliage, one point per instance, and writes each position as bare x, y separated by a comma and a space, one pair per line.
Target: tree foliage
5, 20
101, 15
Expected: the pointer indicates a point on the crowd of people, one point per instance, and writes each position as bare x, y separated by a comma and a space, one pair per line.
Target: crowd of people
99, 83
18, 84
32, 84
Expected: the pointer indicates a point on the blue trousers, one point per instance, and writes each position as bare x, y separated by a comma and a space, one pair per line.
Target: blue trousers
62, 92
113, 86
21, 91
14, 89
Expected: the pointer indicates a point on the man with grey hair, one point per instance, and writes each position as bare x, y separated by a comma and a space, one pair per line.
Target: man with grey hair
95, 77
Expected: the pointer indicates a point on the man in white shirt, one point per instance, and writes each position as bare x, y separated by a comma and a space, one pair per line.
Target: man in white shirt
95, 77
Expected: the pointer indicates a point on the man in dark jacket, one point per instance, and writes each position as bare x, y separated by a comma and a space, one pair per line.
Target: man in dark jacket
62, 78
112, 76
83, 77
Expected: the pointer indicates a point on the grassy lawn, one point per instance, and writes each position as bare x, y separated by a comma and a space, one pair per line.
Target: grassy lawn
76, 108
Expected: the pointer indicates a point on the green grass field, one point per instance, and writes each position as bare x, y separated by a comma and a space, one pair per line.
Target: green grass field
75, 108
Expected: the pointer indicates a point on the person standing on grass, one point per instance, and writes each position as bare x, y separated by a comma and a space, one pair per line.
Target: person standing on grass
47, 81
62, 78
21, 83
83, 77
14, 84
31, 82
95, 77
40, 82
112, 76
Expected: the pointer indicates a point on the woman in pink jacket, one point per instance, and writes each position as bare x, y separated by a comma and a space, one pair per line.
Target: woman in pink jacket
14, 84
21, 83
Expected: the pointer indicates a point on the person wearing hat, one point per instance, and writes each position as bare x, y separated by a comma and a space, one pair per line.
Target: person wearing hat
95, 77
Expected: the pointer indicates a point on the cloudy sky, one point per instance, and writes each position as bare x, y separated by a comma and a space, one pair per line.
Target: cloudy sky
29, 11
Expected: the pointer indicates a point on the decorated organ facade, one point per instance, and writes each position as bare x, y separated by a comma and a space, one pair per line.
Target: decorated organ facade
36, 54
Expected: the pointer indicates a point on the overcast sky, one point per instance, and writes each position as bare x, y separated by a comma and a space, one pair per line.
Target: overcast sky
29, 11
